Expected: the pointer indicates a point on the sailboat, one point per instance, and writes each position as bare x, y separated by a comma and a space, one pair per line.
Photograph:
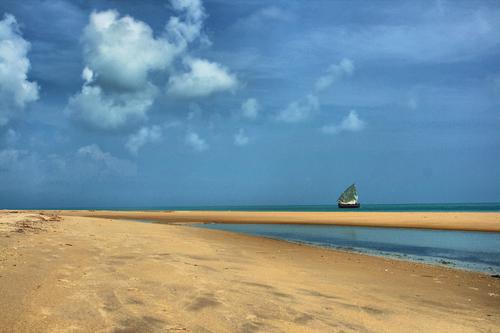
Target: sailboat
349, 198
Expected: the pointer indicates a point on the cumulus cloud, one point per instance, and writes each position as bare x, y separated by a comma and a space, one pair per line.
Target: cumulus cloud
250, 108
143, 136
240, 138
351, 123
103, 163
298, 111
185, 30
121, 52
335, 72
87, 75
15, 89
203, 78
196, 142
111, 110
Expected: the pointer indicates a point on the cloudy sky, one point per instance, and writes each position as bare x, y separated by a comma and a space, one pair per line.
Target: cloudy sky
107, 103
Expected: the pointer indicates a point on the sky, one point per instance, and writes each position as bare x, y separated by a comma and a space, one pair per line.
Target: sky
108, 103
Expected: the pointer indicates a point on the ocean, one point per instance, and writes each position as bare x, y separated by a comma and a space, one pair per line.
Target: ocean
429, 207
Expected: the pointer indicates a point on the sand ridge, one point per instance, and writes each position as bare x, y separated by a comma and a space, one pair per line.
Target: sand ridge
466, 221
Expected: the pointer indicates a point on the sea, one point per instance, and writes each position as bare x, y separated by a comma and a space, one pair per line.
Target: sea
426, 207
474, 251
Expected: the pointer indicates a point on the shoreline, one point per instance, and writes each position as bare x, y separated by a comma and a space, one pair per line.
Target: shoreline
93, 274
459, 221
412, 258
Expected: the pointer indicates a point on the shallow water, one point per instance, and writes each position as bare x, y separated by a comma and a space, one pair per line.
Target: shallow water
477, 251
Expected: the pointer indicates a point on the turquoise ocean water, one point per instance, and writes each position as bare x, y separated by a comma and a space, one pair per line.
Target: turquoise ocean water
448, 207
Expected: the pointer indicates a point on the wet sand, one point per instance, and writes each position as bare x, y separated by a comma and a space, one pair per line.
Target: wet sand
94, 274
465, 221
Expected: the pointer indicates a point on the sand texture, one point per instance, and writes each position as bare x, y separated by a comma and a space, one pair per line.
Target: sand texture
75, 274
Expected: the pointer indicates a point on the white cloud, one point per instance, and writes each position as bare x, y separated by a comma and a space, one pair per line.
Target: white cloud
143, 136
15, 89
103, 163
335, 72
298, 111
250, 108
122, 51
240, 138
87, 75
193, 8
203, 78
111, 110
185, 30
196, 142
351, 123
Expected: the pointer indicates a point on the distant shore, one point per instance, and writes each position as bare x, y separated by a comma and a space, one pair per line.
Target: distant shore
464, 221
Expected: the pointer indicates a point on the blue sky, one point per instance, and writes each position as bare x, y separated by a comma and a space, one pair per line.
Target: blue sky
184, 102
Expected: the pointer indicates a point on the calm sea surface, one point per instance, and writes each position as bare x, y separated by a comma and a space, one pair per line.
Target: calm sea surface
477, 251
451, 207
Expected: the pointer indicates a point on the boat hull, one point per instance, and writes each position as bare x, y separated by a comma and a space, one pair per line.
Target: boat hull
356, 205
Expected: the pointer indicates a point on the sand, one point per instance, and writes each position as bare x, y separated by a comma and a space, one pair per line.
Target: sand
466, 221
93, 274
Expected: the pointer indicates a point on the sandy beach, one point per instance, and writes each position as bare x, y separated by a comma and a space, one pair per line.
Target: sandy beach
61, 273
466, 221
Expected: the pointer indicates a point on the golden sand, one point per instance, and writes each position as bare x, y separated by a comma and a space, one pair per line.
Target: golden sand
92, 274
467, 221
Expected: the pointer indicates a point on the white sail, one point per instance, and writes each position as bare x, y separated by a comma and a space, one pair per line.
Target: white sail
349, 196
